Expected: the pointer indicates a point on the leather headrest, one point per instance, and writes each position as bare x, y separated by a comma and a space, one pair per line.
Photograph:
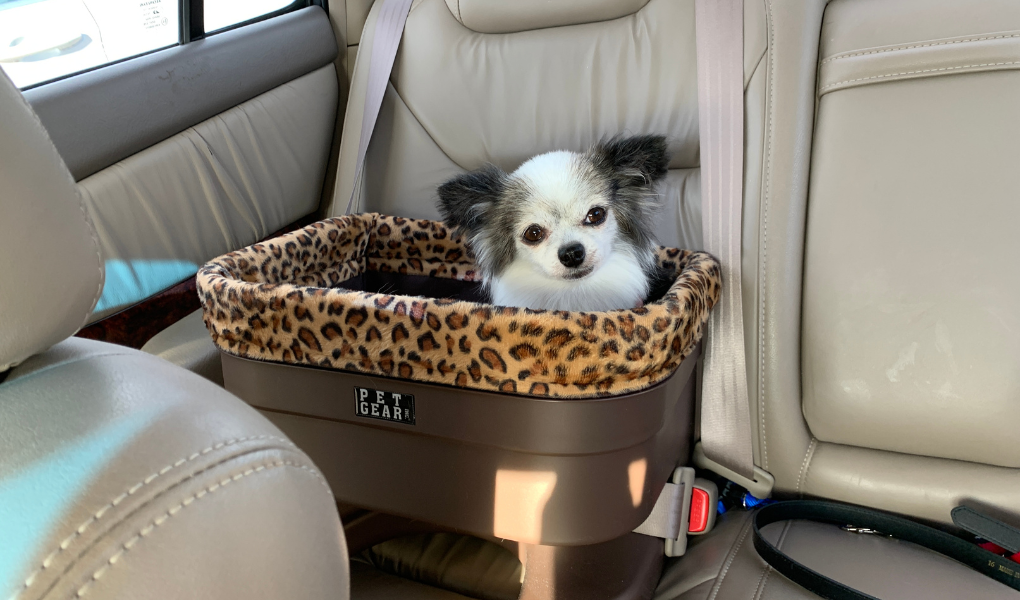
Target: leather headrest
502, 16
51, 272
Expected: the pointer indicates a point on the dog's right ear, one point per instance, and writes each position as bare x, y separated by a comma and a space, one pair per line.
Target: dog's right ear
465, 200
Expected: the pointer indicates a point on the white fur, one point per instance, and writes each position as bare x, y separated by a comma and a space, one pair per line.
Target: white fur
618, 283
560, 197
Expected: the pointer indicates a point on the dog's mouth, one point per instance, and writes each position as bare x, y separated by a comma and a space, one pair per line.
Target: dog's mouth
579, 273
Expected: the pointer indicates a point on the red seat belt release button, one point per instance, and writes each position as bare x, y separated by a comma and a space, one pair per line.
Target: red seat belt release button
704, 507
699, 511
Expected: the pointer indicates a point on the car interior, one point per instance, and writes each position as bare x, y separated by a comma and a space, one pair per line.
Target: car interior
879, 179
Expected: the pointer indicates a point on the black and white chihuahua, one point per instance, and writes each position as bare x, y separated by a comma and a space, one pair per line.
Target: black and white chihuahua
566, 230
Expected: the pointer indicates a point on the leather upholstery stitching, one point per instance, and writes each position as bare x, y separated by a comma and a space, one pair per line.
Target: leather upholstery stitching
762, 582
765, 235
845, 55
807, 461
922, 71
98, 515
729, 561
160, 520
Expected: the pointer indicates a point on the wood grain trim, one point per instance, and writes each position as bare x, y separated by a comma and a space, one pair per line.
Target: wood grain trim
137, 324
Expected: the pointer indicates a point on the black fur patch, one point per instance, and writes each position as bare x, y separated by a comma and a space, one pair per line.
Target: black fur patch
632, 165
467, 202
659, 282
633, 161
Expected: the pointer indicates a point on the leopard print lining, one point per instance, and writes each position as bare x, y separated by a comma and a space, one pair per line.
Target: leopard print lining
278, 301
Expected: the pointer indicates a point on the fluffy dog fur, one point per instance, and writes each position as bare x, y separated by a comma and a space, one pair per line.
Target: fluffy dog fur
566, 230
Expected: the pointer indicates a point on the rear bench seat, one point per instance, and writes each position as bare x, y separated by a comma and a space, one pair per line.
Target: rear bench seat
880, 294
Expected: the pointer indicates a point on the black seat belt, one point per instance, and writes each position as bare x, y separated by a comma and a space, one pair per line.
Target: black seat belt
997, 567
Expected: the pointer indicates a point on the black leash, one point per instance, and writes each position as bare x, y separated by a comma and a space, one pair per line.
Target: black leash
997, 567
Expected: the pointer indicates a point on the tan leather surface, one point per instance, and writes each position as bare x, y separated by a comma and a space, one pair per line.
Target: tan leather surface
725, 566
783, 108
496, 16
470, 113
488, 103
357, 14
51, 274
930, 58
218, 186
457, 563
850, 339
853, 26
909, 339
100, 117
915, 485
188, 345
871, 41
144, 480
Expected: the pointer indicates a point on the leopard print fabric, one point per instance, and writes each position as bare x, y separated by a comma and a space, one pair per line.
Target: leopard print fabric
280, 301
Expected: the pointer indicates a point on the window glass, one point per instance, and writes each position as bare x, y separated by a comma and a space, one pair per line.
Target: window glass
46, 39
224, 13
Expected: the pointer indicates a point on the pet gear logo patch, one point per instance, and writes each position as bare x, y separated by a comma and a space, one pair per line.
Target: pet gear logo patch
385, 406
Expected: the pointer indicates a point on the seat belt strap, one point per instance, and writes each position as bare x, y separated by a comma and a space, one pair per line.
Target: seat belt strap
389, 28
725, 418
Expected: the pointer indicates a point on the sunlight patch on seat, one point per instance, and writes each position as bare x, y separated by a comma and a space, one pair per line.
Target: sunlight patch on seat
33, 502
129, 281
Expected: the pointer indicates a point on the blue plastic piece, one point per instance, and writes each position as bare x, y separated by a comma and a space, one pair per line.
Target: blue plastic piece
750, 501
721, 508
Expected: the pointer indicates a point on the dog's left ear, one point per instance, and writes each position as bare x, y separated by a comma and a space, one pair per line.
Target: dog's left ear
639, 160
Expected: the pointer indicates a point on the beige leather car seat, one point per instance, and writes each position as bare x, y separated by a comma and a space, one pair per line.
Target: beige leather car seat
883, 294
880, 295
121, 475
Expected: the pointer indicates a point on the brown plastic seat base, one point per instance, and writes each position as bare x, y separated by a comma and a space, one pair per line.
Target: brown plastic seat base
534, 470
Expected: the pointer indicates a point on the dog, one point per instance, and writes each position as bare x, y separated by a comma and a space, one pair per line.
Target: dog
565, 231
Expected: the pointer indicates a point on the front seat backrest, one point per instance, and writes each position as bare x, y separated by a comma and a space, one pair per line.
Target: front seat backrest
51, 270
121, 475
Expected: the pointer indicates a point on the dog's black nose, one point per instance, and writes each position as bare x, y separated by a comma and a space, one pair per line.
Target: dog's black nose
572, 255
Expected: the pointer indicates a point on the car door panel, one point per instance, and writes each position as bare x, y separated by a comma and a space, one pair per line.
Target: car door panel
190, 152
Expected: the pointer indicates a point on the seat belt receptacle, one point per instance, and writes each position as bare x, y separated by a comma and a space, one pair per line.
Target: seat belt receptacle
686, 506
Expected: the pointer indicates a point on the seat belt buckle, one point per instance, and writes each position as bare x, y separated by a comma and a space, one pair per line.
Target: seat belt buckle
686, 506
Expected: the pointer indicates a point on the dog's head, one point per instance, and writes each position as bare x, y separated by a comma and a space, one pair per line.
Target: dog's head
562, 213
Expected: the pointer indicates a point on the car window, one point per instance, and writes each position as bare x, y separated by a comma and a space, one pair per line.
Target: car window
42, 40
220, 14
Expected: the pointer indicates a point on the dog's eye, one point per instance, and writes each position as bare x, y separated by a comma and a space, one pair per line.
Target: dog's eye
534, 234
595, 216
